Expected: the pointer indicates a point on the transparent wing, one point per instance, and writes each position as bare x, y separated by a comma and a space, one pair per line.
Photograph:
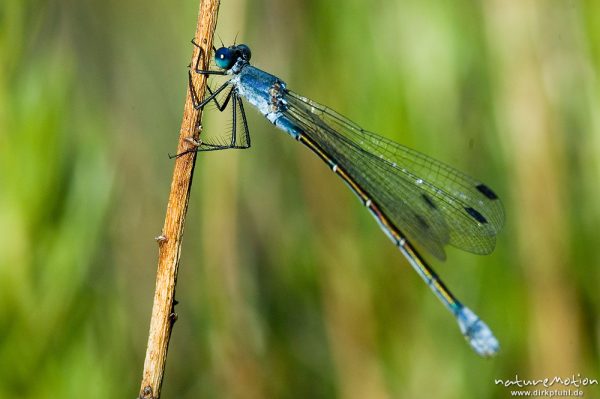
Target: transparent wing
429, 201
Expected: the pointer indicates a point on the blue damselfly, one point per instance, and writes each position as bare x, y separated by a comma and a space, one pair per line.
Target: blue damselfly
414, 198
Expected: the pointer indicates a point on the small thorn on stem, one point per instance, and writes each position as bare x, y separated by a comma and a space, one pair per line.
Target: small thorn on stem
147, 393
193, 141
160, 239
173, 315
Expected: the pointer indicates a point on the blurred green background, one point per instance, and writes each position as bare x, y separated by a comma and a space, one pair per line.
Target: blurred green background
287, 287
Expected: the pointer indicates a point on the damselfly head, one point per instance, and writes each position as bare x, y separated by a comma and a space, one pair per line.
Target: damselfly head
244, 51
227, 57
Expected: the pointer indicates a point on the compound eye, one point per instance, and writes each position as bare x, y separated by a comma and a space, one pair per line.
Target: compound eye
224, 58
244, 51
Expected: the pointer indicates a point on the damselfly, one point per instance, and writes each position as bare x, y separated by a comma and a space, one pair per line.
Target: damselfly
414, 198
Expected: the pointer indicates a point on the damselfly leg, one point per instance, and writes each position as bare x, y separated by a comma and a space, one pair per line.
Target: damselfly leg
239, 136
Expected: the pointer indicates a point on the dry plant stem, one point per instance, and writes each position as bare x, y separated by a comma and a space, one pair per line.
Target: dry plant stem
169, 241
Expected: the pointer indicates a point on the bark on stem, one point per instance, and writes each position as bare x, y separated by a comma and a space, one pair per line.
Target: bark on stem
169, 242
